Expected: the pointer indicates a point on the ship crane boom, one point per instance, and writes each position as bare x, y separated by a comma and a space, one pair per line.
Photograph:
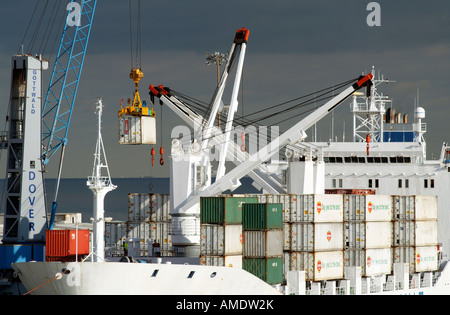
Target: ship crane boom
293, 135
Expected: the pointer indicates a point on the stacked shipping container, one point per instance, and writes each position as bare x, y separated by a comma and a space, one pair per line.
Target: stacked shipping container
263, 241
149, 220
368, 233
221, 230
415, 232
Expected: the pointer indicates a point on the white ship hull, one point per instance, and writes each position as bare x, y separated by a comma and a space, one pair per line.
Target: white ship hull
111, 278
93, 278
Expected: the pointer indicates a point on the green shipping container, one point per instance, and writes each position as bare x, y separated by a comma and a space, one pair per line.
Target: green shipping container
262, 216
223, 210
269, 270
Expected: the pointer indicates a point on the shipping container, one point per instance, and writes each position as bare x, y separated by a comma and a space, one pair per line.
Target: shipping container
426, 233
233, 261
267, 243
368, 208
317, 208
319, 266
354, 235
137, 130
160, 207
404, 233
115, 234
406, 255
284, 199
419, 259
404, 207
269, 270
415, 207
373, 262
316, 237
379, 234
63, 243
148, 207
223, 209
426, 258
426, 208
157, 233
221, 240
139, 208
286, 236
262, 216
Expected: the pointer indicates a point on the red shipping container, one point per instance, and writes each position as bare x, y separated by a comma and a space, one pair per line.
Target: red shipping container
63, 243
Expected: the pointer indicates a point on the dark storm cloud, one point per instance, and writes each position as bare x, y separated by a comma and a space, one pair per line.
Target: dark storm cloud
295, 47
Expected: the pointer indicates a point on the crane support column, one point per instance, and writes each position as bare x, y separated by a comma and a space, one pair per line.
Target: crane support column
24, 202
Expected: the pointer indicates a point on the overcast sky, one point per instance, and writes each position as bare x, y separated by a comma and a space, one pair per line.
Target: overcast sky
295, 47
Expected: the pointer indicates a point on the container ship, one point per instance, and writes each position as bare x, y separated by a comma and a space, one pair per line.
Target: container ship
333, 218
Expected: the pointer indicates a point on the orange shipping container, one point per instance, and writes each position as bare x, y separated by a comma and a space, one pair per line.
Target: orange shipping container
63, 243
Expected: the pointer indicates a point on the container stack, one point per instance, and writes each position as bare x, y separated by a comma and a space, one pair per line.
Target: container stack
368, 233
316, 239
115, 235
263, 241
149, 220
415, 232
221, 230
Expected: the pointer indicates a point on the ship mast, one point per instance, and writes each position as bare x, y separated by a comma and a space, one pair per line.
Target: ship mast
100, 184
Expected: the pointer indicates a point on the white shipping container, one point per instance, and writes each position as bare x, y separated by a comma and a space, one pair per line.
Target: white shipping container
404, 233
354, 235
115, 234
220, 240
426, 208
379, 234
426, 233
317, 236
373, 262
426, 258
263, 243
160, 233
324, 208
160, 207
233, 261
157, 232
405, 255
404, 207
302, 208
286, 236
319, 266
139, 208
419, 259
378, 262
137, 130
368, 208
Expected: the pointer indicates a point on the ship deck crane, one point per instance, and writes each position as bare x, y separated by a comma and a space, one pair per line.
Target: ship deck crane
293, 135
35, 136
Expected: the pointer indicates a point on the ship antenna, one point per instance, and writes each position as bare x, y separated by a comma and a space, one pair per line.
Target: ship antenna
100, 184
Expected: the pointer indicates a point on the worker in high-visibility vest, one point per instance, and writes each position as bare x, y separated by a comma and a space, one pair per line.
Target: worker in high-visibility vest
125, 248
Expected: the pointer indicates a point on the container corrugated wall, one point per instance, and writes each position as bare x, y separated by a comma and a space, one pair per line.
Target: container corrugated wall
115, 234
223, 209
269, 270
66, 243
257, 216
220, 240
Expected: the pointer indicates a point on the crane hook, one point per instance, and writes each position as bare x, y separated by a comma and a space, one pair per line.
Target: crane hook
153, 156
243, 148
161, 151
